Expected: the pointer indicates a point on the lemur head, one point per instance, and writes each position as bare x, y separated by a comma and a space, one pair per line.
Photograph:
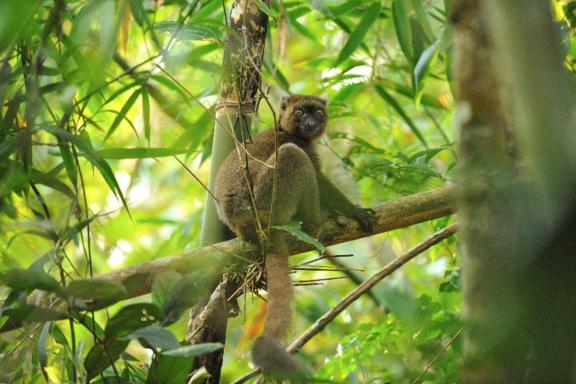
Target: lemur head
304, 116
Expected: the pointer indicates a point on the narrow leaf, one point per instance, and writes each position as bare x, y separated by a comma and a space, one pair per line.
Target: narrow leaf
394, 104
423, 18
294, 229
357, 35
403, 29
422, 67
146, 113
194, 350
122, 114
42, 343
138, 153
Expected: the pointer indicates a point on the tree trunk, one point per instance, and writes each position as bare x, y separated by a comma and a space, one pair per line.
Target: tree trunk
517, 221
531, 47
485, 203
237, 103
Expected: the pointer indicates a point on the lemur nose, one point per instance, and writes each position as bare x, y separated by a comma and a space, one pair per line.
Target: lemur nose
311, 124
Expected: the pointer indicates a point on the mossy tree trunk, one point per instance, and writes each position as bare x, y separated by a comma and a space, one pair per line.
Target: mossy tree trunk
517, 212
532, 50
237, 102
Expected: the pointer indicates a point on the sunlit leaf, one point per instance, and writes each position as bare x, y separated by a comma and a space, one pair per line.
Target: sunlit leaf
403, 29
123, 111
194, 350
357, 36
146, 113
398, 108
267, 9
294, 229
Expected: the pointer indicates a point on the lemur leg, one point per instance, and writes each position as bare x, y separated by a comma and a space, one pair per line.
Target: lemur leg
297, 195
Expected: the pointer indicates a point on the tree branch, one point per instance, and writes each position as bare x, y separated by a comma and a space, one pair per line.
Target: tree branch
210, 260
323, 321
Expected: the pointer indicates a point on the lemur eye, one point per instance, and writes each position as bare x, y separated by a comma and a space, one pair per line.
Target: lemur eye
298, 112
320, 112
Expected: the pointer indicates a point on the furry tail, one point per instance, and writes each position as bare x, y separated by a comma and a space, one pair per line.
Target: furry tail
268, 351
280, 296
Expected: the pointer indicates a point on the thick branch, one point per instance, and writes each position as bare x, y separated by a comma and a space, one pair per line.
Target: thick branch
210, 259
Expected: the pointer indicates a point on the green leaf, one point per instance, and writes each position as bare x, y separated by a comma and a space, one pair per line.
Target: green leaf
101, 356
42, 343
85, 149
194, 350
162, 287
422, 67
123, 111
155, 337
189, 32
403, 29
423, 18
27, 280
394, 104
357, 36
131, 318
15, 16
96, 289
187, 291
138, 153
68, 161
294, 229
169, 370
266, 9
146, 113
32, 314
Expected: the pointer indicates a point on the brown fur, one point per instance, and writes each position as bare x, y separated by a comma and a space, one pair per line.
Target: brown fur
302, 193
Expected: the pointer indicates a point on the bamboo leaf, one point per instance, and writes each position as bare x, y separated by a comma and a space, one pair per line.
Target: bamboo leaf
357, 36
138, 153
294, 229
403, 29
423, 18
394, 104
122, 114
194, 350
146, 113
266, 9
422, 68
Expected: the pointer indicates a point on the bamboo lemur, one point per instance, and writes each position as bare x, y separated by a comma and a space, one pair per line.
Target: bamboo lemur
302, 193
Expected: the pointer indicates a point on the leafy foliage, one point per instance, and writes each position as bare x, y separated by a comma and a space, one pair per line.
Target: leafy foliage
97, 97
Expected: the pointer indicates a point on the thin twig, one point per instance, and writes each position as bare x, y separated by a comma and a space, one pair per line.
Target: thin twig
440, 353
196, 178
327, 318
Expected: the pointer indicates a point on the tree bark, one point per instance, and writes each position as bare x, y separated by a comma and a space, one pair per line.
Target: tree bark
530, 45
485, 203
518, 232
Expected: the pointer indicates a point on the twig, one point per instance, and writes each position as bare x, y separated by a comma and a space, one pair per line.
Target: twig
323, 321
440, 353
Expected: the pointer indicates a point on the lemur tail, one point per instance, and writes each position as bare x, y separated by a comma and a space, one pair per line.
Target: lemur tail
268, 352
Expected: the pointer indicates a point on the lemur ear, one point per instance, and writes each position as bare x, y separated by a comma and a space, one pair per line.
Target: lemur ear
324, 99
283, 102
